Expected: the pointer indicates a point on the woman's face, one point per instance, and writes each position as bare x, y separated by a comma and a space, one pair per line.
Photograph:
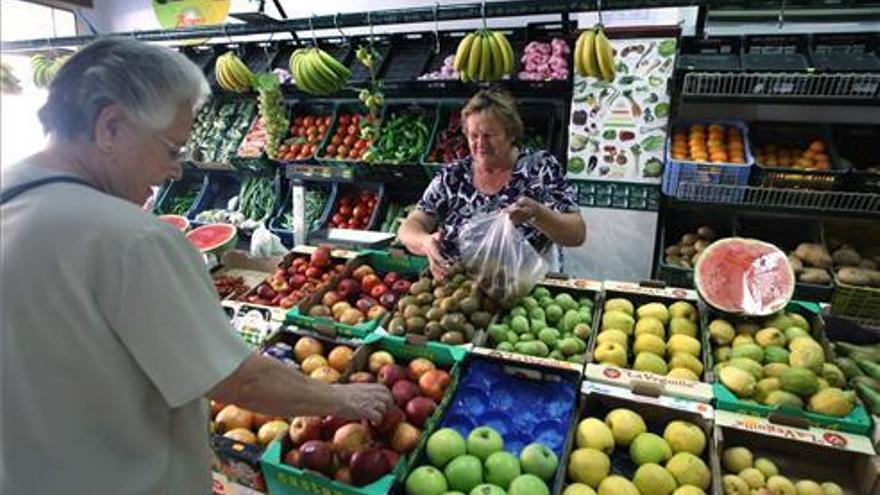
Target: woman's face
487, 140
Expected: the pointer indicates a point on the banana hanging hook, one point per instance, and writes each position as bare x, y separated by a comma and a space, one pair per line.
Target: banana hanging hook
780, 22
599, 11
436, 28
336, 24
483, 12
312, 27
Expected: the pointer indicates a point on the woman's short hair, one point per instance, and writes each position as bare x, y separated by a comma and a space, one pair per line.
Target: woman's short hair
500, 105
150, 82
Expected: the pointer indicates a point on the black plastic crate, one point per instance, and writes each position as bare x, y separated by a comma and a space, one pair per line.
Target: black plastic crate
800, 136
544, 32
286, 204
859, 149
847, 52
716, 54
315, 109
411, 171
259, 56
677, 223
544, 118
220, 187
786, 233
203, 56
775, 53
192, 182
408, 57
448, 44
360, 74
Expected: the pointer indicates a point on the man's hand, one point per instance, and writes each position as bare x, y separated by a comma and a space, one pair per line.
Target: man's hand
524, 209
431, 248
363, 400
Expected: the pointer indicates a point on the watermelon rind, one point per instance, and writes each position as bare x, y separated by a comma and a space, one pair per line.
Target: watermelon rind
178, 222
777, 272
213, 238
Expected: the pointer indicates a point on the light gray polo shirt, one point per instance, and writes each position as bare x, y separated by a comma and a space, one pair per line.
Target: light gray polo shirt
111, 334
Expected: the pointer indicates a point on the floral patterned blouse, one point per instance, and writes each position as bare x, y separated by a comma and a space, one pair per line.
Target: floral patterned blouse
452, 197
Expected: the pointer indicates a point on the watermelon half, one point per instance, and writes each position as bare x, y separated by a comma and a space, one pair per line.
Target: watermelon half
178, 222
744, 277
214, 237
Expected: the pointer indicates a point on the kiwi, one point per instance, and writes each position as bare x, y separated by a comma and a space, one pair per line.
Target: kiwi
438, 293
452, 338
397, 326
449, 305
468, 305
425, 299
433, 330
458, 278
420, 287
435, 314
489, 305
480, 319
411, 311
452, 321
469, 331
416, 324
405, 301
468, 285
460, 294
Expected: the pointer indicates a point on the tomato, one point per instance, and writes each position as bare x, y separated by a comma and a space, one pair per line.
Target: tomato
328, 120
322, 129
346, 200
337, 139
338, 218
298, 120
345, 210
342, 149
360, 144
283, 148
355, 119
330, 149
371, 204
352, 130
344, 119
354, 153
309, 121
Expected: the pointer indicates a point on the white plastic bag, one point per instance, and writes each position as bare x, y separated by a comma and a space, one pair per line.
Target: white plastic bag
502, 262
265, 244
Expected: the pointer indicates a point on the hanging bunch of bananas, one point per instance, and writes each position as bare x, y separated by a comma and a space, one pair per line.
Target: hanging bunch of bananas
9, 84
593, 55
272, 111
483, 56
45, 67
232, 74
317, 72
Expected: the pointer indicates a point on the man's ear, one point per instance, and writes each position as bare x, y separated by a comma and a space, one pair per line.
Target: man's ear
108, 127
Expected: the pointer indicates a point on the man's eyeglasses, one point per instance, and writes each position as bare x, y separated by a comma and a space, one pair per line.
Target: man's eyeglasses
175, 152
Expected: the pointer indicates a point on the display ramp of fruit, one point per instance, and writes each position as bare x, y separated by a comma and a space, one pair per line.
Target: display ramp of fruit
744, 277
782, 366
332, 455
631, 444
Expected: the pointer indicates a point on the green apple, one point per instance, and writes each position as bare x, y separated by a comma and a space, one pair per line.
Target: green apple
426, 480
578, 489
595, 434
537, 459
625, 425
483, 441
487, 489
502, 468
464, 473
528, 484
649, 448
444, 445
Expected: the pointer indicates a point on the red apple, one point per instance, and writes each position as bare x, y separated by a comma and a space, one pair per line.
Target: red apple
305, 347
388, 300
330, 424
379, 359
392, 457
378, 290
343, 475
401, 287
390, 278
320, 257
390, 420
418, 367
304, 428
376, 312
405, 438
351, 438
365, 304
391, 374
403, 391
367, 466
296, 281
361, 377
370, 281
349, 288
420, 409
362, 271
330, 298
313, 272
433, 384
317, 456
293, 458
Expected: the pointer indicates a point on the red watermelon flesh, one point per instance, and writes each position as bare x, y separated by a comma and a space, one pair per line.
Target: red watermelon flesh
178, 222
744, 276
213, 237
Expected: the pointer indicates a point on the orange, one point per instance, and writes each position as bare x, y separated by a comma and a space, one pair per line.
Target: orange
817, 146
735, 145
771, 162
715, 143
697, 127
737, 159
716, 128
820, 157
809, 154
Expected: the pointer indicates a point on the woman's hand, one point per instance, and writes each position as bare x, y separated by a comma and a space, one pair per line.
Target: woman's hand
363, 400
431, 249
524, 209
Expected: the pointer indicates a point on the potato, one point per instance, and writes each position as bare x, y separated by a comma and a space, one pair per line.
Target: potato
689, 239
869, 264
846, 256
814, 255
706, 233
858, 276
815, 276
673, 250
796, 264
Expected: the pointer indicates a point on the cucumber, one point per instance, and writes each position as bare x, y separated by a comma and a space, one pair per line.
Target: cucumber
871, 368
869, 396
849, 368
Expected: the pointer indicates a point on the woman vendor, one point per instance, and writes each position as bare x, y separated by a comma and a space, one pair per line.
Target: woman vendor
529, 184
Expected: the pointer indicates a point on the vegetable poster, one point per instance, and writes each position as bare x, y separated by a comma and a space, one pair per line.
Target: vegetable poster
617, 130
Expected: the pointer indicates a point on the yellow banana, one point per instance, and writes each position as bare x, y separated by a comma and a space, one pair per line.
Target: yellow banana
578, 61
240, 72
473, 65
506, 53
461, 53
497, 54
589, 56
485, 57
605, 56
220, 73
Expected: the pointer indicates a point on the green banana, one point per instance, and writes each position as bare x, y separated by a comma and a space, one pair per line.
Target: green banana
341, 71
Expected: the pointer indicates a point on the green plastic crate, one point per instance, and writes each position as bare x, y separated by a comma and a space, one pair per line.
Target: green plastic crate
383, 262
283, 479
857, 421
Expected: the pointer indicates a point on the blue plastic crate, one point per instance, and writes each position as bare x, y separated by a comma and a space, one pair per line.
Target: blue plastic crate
677, 172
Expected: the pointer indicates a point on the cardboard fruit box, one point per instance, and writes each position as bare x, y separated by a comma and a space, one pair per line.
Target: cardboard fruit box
577, 288
857, 421
405, 266
643, 381
284, 479
808, 453
597, 400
